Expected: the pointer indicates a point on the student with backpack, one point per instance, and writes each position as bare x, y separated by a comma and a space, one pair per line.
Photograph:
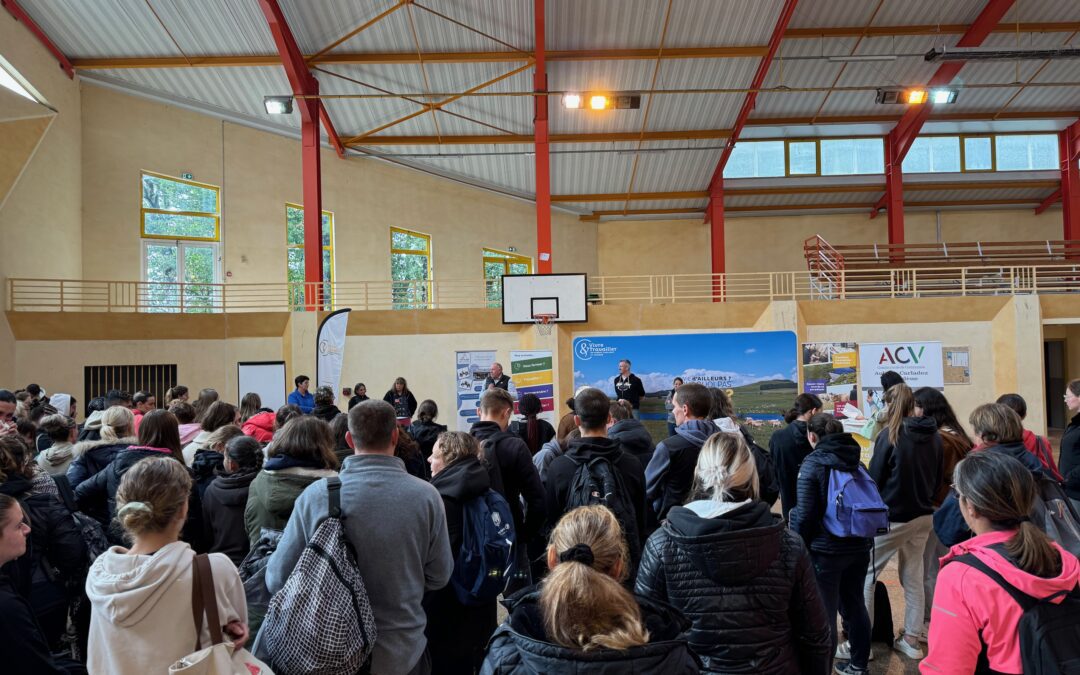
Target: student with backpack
581, 619
742, 578
1006, 600
1035, 444
462, 615
907, 467
830, 479
595, 470
395, 522
788, 447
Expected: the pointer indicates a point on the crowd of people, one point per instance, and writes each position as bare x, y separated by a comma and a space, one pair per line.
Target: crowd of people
704, 552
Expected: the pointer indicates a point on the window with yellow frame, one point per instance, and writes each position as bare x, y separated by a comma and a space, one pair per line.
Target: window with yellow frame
496, 264
410, 268
179, 209
294, 248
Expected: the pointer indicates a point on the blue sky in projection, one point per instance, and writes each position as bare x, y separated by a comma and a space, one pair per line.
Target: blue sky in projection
715, 359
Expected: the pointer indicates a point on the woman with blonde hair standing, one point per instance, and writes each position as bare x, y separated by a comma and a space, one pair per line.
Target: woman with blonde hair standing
737, 572
582, 619
140, 596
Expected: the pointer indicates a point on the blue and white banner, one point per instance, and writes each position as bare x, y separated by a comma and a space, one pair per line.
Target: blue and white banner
758, 369
473, 368
331, 350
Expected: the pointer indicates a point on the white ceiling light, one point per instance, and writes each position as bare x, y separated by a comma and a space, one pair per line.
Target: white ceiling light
278, 105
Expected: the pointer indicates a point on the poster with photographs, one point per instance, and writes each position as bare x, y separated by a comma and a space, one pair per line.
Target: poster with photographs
831, 371
473, 367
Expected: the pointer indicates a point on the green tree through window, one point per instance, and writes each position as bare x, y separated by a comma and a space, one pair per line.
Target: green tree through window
294, 245
410, 268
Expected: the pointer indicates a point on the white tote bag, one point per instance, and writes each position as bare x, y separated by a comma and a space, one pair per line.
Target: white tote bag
221, 658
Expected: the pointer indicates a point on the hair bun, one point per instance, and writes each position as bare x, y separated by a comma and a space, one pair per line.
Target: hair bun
134, 507
581, 553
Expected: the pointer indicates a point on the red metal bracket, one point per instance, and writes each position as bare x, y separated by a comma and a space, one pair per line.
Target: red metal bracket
20, 15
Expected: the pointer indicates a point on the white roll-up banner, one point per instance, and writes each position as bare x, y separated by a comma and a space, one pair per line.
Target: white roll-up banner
331, 349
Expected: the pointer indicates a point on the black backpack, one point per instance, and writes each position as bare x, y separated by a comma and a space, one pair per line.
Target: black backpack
597, 481
1049, 633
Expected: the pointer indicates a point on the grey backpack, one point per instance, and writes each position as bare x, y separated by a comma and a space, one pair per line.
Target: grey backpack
320, 622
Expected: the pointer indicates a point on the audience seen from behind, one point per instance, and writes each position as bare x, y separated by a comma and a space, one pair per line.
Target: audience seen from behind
789, 447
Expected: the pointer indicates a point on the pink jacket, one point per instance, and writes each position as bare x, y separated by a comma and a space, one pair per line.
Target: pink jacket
967, 603
260, 427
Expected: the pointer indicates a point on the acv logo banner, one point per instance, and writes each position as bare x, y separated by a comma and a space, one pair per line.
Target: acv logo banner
919, 363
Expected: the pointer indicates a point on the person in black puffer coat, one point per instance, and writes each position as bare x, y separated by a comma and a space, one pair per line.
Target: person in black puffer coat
425, 430
57, 558
457, 633
629, 433
789, 447
225, 499
159, 435
735, 570
581, 619
1069, 456
840, 563
209, 461
117, 431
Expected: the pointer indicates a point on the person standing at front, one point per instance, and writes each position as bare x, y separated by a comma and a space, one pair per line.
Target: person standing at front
628, 387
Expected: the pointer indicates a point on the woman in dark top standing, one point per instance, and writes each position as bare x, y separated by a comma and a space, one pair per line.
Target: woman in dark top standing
1069, 457
359, 395
225, 499
425, 431
907, 467
789, 447
457, 633
535, 431
402, 399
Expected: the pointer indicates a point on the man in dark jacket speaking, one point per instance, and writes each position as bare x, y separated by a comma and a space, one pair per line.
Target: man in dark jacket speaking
628, 387
497, 379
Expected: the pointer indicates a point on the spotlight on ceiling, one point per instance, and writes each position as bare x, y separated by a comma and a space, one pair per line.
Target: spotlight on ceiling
914, 96
598, 102
278, 105
571, 101
938, 96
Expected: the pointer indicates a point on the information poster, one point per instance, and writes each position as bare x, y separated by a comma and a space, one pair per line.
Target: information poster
531, 373
957, 365
919, 363
831, 371
472, 369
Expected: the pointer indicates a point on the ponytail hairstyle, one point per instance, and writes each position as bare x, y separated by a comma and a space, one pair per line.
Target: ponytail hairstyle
152, 493
583, 603
725, 470
427, 411
175, 393
804, 403
824, 424
530, 407
901, 404
117, 422
245, 452
1002, 490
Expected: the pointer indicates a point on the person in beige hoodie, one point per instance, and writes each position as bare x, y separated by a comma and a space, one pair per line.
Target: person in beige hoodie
140, 597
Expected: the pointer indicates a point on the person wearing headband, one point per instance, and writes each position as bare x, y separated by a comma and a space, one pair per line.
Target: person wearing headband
582, 619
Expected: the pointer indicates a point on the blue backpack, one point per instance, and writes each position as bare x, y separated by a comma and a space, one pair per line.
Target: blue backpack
854, 507
486, 543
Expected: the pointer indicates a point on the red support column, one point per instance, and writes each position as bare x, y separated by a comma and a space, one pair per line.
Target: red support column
714, 216
312, 167
894, 193
540, 141
1070, 185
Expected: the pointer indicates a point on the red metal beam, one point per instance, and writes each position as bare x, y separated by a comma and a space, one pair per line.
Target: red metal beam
1074, 144
751, 98
1070, 183
540, 141
303, 83
1050, 200
894, 194
20, 15
714, 216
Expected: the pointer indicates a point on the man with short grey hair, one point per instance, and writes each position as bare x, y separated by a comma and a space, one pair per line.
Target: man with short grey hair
497, 379
628, 387
397, 525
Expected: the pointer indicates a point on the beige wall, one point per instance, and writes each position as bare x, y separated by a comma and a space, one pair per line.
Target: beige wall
58, 364
40, 221
775, 243
259, 172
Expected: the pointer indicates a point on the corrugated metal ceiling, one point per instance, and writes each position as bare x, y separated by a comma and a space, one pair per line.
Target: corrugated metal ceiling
128, 28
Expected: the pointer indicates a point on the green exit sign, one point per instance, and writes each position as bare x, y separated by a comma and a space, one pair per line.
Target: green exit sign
186, 176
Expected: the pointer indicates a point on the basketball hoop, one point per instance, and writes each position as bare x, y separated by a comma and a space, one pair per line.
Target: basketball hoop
544, 323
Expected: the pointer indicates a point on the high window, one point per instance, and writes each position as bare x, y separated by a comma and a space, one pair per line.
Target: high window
181, 228
410, 268
496, 264
294, 248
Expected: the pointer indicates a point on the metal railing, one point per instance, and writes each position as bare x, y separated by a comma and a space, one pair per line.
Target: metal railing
64, 295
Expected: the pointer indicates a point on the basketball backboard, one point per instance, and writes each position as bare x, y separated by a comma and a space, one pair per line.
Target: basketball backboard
527, 296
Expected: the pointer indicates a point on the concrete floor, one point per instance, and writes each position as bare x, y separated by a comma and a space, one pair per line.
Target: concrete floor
886, 660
